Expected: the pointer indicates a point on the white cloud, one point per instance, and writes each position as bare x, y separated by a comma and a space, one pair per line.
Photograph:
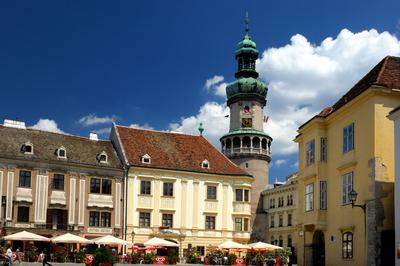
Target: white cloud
303, 79
216, 85
280, 162
47, 125
144, 126
212, 115
92, 119
102, 131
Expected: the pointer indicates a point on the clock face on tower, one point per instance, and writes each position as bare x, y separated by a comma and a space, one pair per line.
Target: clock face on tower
247, 122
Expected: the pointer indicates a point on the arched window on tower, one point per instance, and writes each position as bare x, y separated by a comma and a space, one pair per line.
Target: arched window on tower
228, 144
236, 144
246, 143
256, 144
264, 145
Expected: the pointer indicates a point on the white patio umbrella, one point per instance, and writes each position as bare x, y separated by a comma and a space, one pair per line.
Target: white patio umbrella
232, 245
26, 236
159, 242
70, 239
110, 240
262, 245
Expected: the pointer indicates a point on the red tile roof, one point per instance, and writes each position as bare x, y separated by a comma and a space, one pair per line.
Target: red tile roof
174, 151
386, 75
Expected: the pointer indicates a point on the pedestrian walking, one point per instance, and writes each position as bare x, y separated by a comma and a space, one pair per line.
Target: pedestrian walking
18, 255
46, 258
9, 255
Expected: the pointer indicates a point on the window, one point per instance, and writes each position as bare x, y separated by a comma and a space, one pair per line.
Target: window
322, 195
23, 214
145, 187
27, 148
324, 149
146, 159
309, 197
280, 202
102, 157
289, 219
347, 181
238, 224
25, 178
94, 219
347, 245
106, 186
201, 250
289, 240
272, 203
272, 224
310, 151
289, 200
280, 220
241, 224
280, 241
212, 192
95, 185
105, 219
205, 164
348, 138
210, 222
61, 152
58, 182
242, 195
272, 240
168, 189
167, 220
144, 219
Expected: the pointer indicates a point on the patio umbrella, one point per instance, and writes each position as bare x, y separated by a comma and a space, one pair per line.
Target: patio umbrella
262, 245
110, 240
232, 245
26, 236
158, 242
70, 239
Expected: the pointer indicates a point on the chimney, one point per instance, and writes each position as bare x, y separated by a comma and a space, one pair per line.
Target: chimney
14, 124
93, 136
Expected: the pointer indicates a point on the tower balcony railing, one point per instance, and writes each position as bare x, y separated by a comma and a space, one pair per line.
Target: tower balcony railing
246, 150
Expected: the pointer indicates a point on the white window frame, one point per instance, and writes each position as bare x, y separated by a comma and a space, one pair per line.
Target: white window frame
348, 138
205, 164
310, 152
62, 148
146, 159
309, 197
103, 153
323, 195
347, 186
324, 149
27, 144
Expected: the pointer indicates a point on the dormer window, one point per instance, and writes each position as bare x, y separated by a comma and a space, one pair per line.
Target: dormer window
102, 157
61, 152
146, 159
205, 164
27, 148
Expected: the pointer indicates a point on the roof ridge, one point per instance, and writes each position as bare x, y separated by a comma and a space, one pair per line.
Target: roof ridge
58, 133
385, 60
159, 131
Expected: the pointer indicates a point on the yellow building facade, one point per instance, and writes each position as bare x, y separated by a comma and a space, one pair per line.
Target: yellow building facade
180, 188
349, 147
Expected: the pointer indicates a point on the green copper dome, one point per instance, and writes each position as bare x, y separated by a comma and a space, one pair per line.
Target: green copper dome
246, 85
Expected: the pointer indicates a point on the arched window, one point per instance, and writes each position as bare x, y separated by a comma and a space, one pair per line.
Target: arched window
246, 142
146, 159
347, 245
27, 148
102, 157
205, 164
228, 145
236, 142
61, 152
256, 143
264, 144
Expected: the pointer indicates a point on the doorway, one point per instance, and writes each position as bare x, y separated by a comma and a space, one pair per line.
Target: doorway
318, 248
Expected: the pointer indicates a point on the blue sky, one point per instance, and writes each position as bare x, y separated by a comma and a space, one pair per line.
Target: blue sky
83, 64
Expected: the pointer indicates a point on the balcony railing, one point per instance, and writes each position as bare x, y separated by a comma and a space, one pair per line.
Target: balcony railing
246, 150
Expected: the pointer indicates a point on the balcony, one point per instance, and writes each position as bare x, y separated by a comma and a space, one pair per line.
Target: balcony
242, 207
246, 151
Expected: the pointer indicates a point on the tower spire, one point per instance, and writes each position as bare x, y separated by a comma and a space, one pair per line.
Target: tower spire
247, 23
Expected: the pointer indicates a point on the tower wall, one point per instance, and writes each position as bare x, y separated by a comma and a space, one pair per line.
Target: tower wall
236, 111
259, 169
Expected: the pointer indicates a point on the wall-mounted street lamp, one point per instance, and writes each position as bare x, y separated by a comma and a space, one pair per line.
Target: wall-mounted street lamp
353, 197
133, 236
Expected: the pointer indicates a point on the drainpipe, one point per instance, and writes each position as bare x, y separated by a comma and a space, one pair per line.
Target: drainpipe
125, 206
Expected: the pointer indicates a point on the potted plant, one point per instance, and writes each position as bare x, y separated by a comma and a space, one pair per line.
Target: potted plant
103, 257
193, 257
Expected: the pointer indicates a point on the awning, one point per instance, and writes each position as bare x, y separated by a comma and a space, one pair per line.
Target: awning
26, 236
70, 238
232, 245
262, 245
159, 242
110, 240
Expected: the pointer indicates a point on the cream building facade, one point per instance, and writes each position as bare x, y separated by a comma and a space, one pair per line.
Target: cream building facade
179, 187
349, 147
280, 203
53, 183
